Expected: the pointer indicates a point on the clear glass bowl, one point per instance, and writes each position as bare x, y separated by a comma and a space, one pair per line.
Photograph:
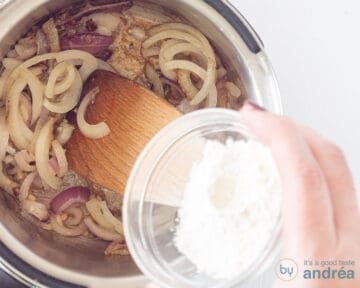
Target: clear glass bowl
154, 193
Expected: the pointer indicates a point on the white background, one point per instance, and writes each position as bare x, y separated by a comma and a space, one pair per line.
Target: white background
314, 46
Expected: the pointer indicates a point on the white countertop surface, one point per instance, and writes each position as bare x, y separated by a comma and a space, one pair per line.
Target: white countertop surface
314, 47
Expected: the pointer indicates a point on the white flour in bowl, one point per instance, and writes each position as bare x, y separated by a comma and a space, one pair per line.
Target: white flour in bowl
230, 207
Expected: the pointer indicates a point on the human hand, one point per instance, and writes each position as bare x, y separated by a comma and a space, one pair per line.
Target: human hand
320, 216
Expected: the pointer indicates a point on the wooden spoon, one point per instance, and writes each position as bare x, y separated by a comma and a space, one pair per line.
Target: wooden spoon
133, 114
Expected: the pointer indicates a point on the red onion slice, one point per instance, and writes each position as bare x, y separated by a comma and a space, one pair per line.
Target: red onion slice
92, 43
102, 233
121, 6
68, 197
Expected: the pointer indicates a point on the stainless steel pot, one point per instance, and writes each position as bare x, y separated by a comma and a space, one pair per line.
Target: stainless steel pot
36, 257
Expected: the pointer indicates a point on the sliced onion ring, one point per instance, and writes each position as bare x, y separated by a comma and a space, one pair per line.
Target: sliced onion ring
91, 131
20, 134
37, 93
111, 218
69, 99
76, 216
6, 183
36, 209
4, 135
102, 233
68, 232
186, 65
25, 186
54, 88
42, 148
94, 208
154, 79
59, 152
23, 159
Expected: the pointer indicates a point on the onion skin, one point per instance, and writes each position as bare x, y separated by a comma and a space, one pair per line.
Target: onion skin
68, 197
119, 6
92, 43
100, 232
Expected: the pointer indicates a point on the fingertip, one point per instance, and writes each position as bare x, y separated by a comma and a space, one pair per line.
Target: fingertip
251, 106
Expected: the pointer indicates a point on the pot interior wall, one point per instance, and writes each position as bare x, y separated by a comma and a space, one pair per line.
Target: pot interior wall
87, 256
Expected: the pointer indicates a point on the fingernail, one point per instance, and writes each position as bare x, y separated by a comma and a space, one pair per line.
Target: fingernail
248, 105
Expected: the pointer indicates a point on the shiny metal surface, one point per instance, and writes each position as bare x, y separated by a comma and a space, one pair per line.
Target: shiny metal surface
84, 263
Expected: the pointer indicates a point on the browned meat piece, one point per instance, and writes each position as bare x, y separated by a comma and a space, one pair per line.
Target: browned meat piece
127, 58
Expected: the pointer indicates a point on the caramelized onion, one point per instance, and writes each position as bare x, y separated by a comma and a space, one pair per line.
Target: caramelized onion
42, 149
68, 232
4, 135
25, 186
117, 225
102, 233
6, 183
59, 152
36, 209
233, 89
154, 79
10, 64
23, 159
64, 132
20, 134
94, 208
184, 78
55, 88
189, 34
69, 99
75, 216
37, 93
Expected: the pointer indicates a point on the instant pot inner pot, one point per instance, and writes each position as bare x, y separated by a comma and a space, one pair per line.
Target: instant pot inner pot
86, 256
